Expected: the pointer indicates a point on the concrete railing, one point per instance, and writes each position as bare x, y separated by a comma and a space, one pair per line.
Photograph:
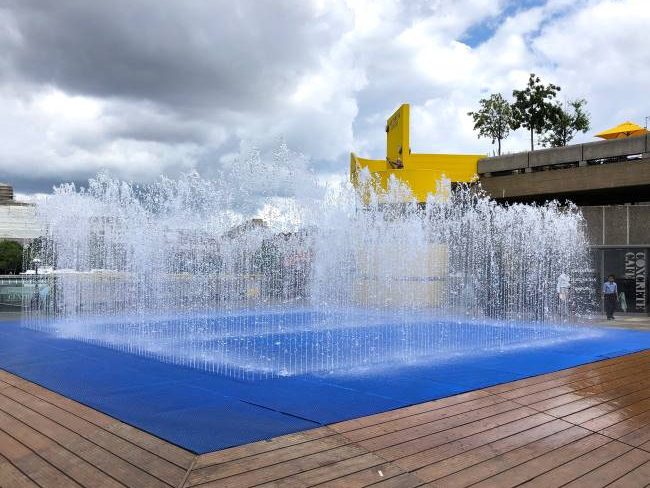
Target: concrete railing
579, 154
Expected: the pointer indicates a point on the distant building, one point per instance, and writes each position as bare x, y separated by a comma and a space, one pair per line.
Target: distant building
18, 221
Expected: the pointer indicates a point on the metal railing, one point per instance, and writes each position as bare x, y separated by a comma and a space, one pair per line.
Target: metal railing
21, 292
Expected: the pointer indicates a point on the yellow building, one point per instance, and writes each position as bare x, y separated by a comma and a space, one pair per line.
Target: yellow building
421, 173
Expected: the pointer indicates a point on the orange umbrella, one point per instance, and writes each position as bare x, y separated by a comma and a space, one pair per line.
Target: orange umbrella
626, 129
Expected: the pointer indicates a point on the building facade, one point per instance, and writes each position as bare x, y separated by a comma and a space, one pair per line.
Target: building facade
18, 220
610, 181
619, 236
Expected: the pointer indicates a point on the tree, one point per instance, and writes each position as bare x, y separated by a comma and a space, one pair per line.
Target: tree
494, 119
566, 122
533, 108
11, 257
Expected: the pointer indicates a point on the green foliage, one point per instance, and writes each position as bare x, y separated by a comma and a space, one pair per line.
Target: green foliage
11, 257
533, 108
494, 119
565, 123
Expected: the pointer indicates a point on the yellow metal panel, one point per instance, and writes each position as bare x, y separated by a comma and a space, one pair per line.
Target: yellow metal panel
420, 172
421, 180
398, 147
456, 167
357, 164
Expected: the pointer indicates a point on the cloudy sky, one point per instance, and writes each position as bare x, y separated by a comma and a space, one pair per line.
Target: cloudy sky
144, 87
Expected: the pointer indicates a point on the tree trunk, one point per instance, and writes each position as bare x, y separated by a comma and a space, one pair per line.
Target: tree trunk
499, 147
532, 147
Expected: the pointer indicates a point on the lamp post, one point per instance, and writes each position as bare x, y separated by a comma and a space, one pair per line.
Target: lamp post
36, 262
36, 299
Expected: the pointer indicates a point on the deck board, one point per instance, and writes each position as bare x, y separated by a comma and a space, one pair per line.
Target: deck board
10, 476
67, 462
584, 426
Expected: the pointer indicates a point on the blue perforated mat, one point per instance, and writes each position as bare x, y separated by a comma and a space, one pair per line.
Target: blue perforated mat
204, 412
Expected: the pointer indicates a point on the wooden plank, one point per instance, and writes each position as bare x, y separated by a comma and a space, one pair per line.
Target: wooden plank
544, 462
285, 469
12, 477
361, 470
645, 446
500, 463
393, 425
39, 471
130, 453
129, 474
627, 426
576, 371
161, 448
630, 470
459, 462
636, 478
570, 471
410, 441
558, 378
241, 465
606, 410
605, 387
573, 380
260, 447
639, 411
406, 480
473, 399
600, 403
73, 466
464, 444
637, 437
419, 425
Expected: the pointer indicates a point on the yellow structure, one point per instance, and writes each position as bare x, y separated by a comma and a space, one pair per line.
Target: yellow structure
419, 172
626, 129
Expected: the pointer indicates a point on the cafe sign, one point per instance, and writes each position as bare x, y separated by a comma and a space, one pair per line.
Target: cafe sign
636, 271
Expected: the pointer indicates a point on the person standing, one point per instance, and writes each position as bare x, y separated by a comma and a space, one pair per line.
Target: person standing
610, 293
563, 284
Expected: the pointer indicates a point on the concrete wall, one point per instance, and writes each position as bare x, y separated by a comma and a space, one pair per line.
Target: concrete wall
618, 225
616, 147
570, 182
508, 162
570, 154
556, 155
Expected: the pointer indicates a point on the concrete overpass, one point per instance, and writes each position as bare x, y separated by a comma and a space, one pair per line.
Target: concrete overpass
596, 173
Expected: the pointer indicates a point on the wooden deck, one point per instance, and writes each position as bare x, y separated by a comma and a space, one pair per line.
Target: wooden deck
586, 426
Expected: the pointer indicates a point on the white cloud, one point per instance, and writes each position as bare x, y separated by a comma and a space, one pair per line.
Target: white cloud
155, 96
601, 52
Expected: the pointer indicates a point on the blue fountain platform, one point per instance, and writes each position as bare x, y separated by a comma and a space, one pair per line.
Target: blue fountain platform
204, 412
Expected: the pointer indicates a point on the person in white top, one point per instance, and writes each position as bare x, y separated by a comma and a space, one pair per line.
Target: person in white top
610, 294
563, 284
